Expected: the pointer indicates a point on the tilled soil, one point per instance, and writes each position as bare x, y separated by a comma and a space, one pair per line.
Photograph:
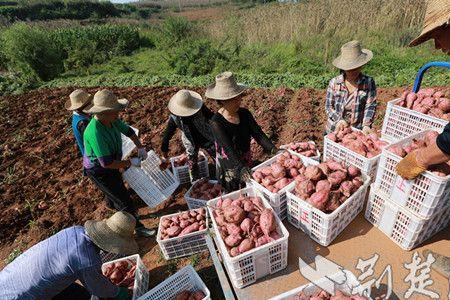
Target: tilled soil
40, 162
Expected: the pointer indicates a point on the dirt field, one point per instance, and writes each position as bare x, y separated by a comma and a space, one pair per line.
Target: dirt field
40, 162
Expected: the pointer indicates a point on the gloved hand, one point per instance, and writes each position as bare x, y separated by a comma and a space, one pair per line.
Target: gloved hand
135, 162
123, 294
367, 130
341, 125
409, 167
246, 174
142, 153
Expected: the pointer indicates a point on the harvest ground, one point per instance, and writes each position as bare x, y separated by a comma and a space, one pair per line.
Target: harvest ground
40, 162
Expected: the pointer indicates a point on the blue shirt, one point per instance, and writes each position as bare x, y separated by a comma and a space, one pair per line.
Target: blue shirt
47, 268
76, 119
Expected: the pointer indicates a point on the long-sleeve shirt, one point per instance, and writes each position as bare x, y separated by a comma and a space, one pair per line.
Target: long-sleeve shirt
443, 140
50, 266
364, 106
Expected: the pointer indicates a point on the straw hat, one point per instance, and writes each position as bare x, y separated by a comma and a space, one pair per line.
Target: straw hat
115, 234
352, 56
225, 87
105, 100
78, 99
437, 14
185, 103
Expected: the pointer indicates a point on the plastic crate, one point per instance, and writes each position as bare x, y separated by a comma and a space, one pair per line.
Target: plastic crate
400, 122
151, 184
322, 227
184, 280
127, 144
316, 157
140, 277
193, 202
340, 153
246, 268
404, 228
276, 200
182, 172
423, 196
344, 282
182, 246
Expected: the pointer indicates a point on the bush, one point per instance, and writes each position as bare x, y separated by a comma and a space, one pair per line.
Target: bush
174, 30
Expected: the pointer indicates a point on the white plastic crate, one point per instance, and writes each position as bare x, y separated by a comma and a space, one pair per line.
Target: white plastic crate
316, 157
423, 196
193, 202
127, 144
246, 268
404, 228
400, 122
140, 277
151, 184
322, 227
184, 280
189, 244
182, 172
276, 200
345, 282
340, 153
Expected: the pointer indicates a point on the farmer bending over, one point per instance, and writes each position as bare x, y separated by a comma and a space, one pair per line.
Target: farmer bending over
437, 27
103, 153
78, 102
49, 269
191, 116
351, 96
233, 127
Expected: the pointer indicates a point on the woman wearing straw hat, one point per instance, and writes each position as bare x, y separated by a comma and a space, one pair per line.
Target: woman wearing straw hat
233, 127
351, 96
79, 100
103, 153
437, 27
191, 116
49, 269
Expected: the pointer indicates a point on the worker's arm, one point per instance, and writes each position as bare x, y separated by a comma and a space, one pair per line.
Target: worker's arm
97, 284
431, 155
371, 105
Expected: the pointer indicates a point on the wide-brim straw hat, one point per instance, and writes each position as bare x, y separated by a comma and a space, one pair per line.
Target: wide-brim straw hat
104, 101
225, 87
352, 56
185, 103
115, 234
78, 99
436, 15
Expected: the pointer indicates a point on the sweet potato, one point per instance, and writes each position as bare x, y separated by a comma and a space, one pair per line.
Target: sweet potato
233, 229
246, 245
189, 229
347, 188
199, 295
234, 214
430, 137
305, 189
267, 221
173, 231
336, 178
234, 251
313, 172
323, 185
398, 151
444, 105
246, 225
353, 171
233, 240
319, 199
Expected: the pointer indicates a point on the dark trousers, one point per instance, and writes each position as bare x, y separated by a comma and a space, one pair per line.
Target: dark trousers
73, 292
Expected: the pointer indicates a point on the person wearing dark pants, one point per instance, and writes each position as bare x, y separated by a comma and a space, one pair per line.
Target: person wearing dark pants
102, 158
189, 114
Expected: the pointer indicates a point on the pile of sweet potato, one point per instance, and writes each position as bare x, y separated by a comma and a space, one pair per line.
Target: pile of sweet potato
183, 159
303, 148
279, 174
367, 145
186, 295
183, 223
323, 295
205, 190
121, 273
427, 101
244, 224
442, 169
327, 185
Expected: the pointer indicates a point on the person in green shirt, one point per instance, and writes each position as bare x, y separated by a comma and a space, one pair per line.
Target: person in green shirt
102, 157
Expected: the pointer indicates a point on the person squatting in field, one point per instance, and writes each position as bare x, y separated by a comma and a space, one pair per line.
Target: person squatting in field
102, 158
437, 27
79, 101
191, 116
351, 96
49, 269
233, 127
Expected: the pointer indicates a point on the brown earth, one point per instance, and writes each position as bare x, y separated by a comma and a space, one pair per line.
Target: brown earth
40, 162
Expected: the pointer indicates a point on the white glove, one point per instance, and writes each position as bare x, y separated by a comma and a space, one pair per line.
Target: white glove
142, 153
367, 130
341, 125
135, 162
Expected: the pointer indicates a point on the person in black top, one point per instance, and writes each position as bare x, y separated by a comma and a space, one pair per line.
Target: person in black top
191, 116
233, 127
